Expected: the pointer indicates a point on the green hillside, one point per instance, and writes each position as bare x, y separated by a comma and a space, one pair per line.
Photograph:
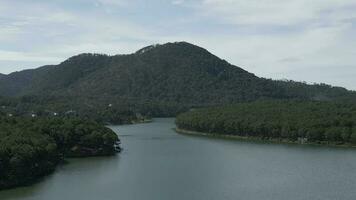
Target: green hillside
291, 121
160, 80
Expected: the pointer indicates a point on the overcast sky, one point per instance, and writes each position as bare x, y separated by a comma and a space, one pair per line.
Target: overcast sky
304, 40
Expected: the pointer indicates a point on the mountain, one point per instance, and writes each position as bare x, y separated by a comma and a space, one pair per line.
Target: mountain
179, 73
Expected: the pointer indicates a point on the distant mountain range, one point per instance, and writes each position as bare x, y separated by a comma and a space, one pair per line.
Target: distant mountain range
179, 73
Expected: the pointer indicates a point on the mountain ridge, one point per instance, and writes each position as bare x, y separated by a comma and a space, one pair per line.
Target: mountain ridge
179, 73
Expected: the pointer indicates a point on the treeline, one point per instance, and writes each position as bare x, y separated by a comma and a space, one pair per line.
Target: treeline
296, 121
173, 73
32, 147
102, 110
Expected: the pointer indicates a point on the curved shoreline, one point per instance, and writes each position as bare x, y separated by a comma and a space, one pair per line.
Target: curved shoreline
79, 155
260, 140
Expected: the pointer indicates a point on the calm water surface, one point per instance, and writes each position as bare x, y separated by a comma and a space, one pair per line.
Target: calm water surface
158, 164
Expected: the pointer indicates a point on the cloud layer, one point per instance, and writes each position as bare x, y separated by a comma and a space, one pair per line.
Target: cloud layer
296, 39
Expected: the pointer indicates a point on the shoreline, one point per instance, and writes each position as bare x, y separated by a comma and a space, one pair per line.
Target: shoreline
140, 121
63, 161
260, 140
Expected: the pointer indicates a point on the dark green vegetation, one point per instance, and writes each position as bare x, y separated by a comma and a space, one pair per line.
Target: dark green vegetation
159, 80
32, 148
47, 106
156, 81
311, 122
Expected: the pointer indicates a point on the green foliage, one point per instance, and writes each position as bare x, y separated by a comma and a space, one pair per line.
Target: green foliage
31, 148
160, 80
157, 81
291, 120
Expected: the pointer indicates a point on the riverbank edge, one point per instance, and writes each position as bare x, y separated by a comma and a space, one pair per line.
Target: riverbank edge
259, 140
64, 161
144, 121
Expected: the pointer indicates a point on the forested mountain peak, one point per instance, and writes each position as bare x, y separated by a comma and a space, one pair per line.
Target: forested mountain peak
177, 49
84, 56
177, 73
145, 49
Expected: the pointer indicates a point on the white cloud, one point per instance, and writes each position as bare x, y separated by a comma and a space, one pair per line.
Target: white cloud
273, 12
64, 32
26, 57
8, 33
112, 2
177, 2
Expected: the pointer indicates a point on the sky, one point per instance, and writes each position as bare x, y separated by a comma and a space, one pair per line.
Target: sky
303, 40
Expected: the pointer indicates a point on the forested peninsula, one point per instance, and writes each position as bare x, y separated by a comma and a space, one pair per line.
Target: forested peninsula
31, 148
282, 121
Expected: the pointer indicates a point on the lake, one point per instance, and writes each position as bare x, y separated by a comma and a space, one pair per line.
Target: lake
159, 164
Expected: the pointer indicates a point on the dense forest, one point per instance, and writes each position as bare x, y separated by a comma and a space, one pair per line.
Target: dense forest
158, 80
117, 112
40, 108
293, 121
32, 147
